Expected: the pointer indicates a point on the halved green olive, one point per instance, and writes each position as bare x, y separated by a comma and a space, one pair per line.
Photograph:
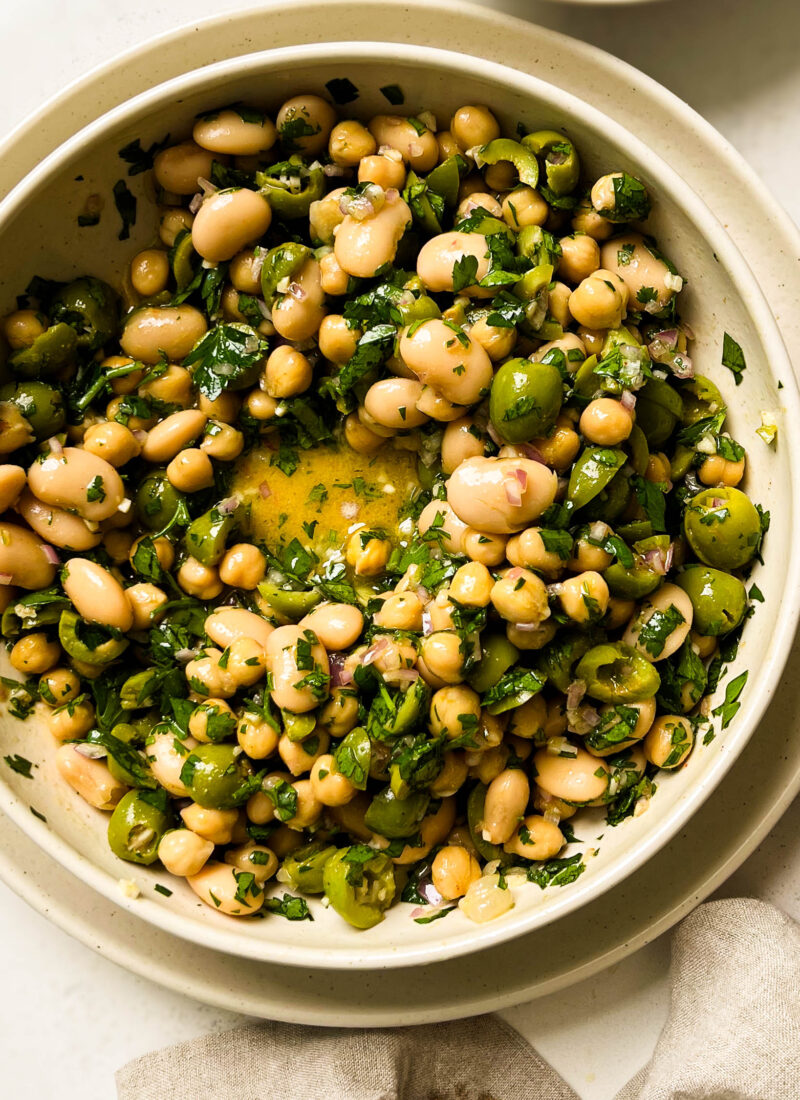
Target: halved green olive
219, 777
359, 890
562, 166
559, 658
291, 186
497, 657
701, 398
640, 579
88, 642
40, 404
658, 409
592, 472
137, 825
288, 602
719, 599
91, 308
305, 867
525, 399
51, 352
413, 705
445, 179
523, 159
206, 537
281, 262
617, 673
394, 817
157, 501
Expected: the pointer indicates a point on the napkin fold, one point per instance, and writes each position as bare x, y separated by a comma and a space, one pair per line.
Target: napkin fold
733, 1033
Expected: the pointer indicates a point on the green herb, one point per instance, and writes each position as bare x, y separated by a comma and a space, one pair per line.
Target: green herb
295, 128
654, 632
284, 798
624, 805
519, 684
557, 872
289, 906
630, 197
341, 90
651, 498
394, 94
96, 490
646, 294
162, 890
755, 593
733, 357
139, 159
36, 814
727, 710
465, 271
19, 765
125, 202
226, 355
435, 916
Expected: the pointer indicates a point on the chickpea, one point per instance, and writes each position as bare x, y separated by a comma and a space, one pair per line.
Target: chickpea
455, 711
340, 714
531, 636
34, 654
288, 372
580, 257
420, 150
669, 741
337, 341
450, 529
22, 327
717, 470
478, 201
490, 763
524, 206
474, 125
260, 405
385, 169
219, 887
472, 585
520, 596
199, 580
212, 720
461, 440
452, 777
536, 838
256, 736
71, 720
309, 807
214, 825
191, 470
244, 273
600, 300
606, 421
91, 779
316, 118
221, 441
330, 787
593, 339
173, 387
361, 438
440, 612
441, 657
453, 872
704, 644
618, 612
225, 408
488, 549
366, 554
400, 611
174, 220
146, 601
112, 441
349, 142
587, 220
529, 720
527, 549
588, 557
150, 272
498, 343
433, 829
228, 221
334, 279
299, 756
183, 852
242, 566
254, 859
178, 168
584, 598
485, 900
59, 686
161, 546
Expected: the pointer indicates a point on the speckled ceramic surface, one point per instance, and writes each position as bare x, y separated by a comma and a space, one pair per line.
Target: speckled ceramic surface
641, 920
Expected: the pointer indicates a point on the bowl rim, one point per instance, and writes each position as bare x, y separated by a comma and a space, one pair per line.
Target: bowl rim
226, 939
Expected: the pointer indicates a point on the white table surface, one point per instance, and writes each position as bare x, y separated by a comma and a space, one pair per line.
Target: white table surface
69, 1018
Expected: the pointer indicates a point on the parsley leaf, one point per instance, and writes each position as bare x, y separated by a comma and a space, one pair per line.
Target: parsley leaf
19, 765
733, 357
125, 202
289, 906
227, 354
138, 158
464, 272
341, 90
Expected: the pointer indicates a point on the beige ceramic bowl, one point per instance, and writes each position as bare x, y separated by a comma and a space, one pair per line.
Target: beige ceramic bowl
38, 234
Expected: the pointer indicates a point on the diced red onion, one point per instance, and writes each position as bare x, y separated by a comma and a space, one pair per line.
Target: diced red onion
206, 186
555, 589
513, 492
414, 149
401, 675
530, 627
656, 560
392, 193
491, 431
185, 654
6, 578
627, 400
562, 485
590, 716
54, 446
427, 623
230, 504
598, 530
669, 337
374, 651
575, 692
297, 292
687, 330
334, 170
668, 559
522, 478
139, 435
51, 555
196, 203
422, 594
340, 675
264, 491
264, 310
531, 452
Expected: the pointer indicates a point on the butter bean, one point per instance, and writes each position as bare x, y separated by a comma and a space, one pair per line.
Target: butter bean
438, 256
668, 599
98, 596
218, 886
542, 839
580, 778
456, 366
23, 561
298, 314
166, 755
178, 168
392, 403
171, 329
12, 482
461, 440
282, 661
361, 247
506, 799
227, 624
453, 530
91, 779
254, 859
227, 132
228, 221
172, 434
485, 900
478, 492
55, 525
336, 625
78, 481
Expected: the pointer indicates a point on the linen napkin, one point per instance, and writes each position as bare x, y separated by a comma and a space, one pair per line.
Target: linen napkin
733, 1033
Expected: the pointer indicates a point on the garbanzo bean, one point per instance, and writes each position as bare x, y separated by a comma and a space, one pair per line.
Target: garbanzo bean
349, 142
453, 871
288, 372
59, 686
584, 598
606, 421
386, 169
419, 149
12, 482
96, 594
441, 658
600, 300
146, 601
257, 737
150, 272
199, 580
330, 787
580, 257
524, 206
191, 470
473, 125
299, 756
519, 596
367, 554
22, 327
183, 852
305, 122
454, 711
112, 441
34, 653
243, 566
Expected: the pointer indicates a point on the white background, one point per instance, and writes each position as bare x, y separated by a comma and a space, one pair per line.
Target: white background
68, 1018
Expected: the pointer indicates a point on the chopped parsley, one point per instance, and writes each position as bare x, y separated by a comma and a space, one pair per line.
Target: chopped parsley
733, 357
125, 202
19, 765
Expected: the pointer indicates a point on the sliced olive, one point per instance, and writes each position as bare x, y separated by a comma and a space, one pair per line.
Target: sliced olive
394, 817
88, 642
50, 353
305, 867
523, 158
592, 472
137, 825
562, 166
360, 890
91, 308
616, 673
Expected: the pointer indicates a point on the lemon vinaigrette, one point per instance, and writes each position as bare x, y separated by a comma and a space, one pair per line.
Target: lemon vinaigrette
332, 492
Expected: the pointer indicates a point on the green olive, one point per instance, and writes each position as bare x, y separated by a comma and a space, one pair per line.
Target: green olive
522, 157
359, 890
640, 452
298, 727
719, 600
497, 657
51, 352
562, 166
445, 179
592, 472
91, 307
538, 246
640, 579
279, 186
723, 527
615, 673
40, 404
394, 817
416, 195
219, 777
288, 602
206, 537
525, 399
34, 612
413, 704
421, 309
281, 262
137, 825
681, 462
88, 642
135, 692
658, 409
701, 398
157, 501
475, 804
305, 867
611, 501
183, 259
559, 658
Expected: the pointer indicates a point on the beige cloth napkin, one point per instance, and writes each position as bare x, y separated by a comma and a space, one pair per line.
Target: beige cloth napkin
733, 1033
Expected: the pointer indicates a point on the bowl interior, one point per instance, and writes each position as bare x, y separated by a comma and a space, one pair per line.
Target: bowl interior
39, 234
